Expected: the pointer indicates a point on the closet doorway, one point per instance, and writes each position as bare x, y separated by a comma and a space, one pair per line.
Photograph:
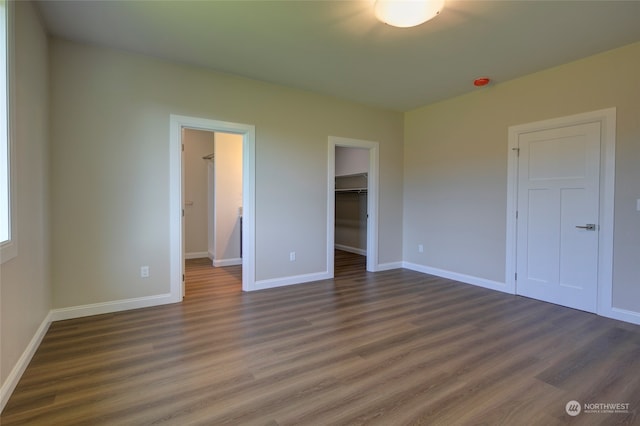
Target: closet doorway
352, 214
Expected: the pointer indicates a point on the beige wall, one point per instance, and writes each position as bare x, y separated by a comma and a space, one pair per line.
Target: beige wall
110, 168
197, 144
25, 291
456, 166
228, 196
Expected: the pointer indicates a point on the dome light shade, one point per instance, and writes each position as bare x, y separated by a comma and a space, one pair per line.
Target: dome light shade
407, 13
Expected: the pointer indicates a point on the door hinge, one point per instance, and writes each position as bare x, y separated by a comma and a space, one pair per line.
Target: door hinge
182, 212
516, 276
182, 147
516, 214
182, 277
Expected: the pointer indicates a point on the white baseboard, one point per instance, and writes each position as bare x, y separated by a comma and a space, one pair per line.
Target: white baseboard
388, 266
109, 307
297, 279
14, 376
227, 262
613, 313
196, 255
468, 279
622, 315
12, 380
356, 250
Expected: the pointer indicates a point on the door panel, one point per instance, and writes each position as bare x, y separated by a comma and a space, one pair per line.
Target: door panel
542, 249
558, 189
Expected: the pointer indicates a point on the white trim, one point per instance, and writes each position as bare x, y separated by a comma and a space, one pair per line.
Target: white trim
9, 249
296, 279
110, 307
607, 119
227, 262
211, 207
623, 315
349, 249
18, 369
389, 265
455, 276
16, 373
175, 208
372, 200
196, 255
177, 123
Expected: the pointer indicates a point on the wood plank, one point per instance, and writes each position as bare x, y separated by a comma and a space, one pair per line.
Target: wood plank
393, 347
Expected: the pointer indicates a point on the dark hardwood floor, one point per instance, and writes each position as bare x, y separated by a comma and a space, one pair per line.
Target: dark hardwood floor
389, 348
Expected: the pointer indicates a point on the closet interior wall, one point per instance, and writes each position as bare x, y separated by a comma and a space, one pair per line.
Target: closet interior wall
352, 165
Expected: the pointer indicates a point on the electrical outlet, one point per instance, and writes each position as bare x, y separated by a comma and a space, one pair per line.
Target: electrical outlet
420, 248
144, 272
292, 256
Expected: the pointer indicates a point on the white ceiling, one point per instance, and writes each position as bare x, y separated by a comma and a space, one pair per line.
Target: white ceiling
337, 47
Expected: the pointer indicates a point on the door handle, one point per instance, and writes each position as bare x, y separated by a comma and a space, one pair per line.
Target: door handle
588, 227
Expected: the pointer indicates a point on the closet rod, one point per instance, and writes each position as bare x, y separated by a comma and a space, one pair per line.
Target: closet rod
352, 190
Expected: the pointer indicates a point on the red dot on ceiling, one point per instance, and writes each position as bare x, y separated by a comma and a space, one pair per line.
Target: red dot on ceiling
483, 81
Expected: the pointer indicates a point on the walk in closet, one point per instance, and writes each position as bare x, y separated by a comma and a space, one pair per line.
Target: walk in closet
351, 212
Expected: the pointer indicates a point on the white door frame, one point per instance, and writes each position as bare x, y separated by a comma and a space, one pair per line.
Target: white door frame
211, 209
176, 255
607, 120
372, 200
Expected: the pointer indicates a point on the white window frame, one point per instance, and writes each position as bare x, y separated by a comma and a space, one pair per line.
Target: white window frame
9, 248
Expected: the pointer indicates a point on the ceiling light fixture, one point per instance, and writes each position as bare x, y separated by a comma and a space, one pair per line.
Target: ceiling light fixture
407, 13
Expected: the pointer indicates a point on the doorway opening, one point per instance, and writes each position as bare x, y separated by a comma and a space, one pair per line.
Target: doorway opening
245, 226
352, 200
212, 194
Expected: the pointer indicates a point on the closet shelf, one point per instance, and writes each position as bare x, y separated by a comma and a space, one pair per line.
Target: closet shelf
352, 175
355, 183
357, 190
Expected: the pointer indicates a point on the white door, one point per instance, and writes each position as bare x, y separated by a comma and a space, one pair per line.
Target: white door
557, 224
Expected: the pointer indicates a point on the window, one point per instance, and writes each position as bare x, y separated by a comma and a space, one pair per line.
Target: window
7, 222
